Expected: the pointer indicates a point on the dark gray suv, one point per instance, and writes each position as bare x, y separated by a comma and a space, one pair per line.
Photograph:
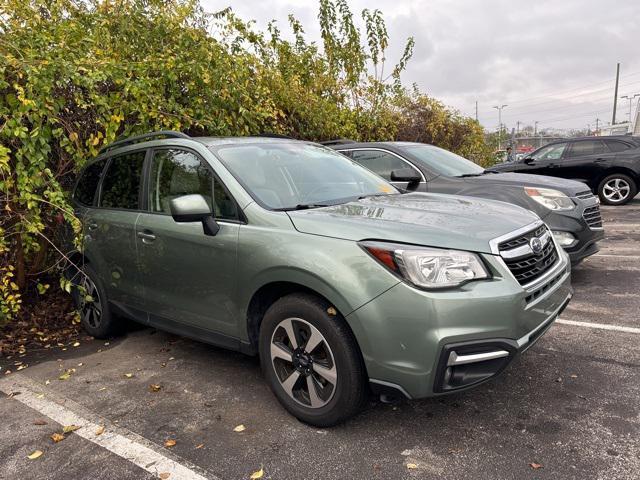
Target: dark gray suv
568, 207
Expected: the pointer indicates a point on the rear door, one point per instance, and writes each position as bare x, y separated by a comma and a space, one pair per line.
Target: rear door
109, 236
383, 162
189, 277
583, 159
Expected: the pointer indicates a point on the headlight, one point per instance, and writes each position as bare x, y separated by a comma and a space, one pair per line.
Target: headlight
427, 267
552, 199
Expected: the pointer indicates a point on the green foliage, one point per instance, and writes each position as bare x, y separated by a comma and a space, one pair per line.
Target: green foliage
77, 74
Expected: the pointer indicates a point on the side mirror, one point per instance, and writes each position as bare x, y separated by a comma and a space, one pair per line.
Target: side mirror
194, 208
405, 175
529, 160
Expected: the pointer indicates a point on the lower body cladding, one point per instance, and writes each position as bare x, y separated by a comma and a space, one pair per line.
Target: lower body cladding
424, 343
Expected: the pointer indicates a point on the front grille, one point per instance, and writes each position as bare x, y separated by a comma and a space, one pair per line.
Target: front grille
523, 239
530, 266
592, 216
584, 195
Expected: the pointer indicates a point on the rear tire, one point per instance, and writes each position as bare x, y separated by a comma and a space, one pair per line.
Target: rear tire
90, 298
617, 189
324, 385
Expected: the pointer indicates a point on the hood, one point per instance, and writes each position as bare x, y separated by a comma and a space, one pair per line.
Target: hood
568, 187
445, 221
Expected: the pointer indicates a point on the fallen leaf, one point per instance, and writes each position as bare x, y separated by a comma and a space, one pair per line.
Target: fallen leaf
535, 466
70, 428
66, 375
100, 430
128, 375
574, 376
164, 475
47, 382
412, 466
154, 387
57, 437
332, 311
35, 455
240, 428
39, 422
199, 446
76, 344
169, 443
102, 389
258, 474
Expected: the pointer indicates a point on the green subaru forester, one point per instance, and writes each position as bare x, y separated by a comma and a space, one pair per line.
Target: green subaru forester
342, 284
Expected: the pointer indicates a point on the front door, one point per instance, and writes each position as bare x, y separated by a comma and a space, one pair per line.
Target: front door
545, 161
189, 277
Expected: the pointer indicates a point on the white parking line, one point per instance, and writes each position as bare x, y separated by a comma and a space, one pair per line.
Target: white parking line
630, 257
118, 440
601, 326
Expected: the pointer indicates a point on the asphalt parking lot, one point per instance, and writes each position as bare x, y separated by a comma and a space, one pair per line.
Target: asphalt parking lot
568, 408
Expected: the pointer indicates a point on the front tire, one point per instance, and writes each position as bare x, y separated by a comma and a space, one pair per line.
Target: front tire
90, 298
311, 360
617, 189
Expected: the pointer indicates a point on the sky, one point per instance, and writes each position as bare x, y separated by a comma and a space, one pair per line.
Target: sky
550, 61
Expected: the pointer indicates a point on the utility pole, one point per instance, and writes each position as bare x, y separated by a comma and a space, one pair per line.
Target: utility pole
476, 110
499, 108
535, 128
630, 98
597, 132
518, 127
615, 94
588, 129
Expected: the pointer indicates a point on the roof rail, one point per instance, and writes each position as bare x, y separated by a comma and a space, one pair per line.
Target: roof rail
338, 141
145, 137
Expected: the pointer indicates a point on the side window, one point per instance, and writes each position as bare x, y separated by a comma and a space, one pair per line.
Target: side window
177, 172
121, 184
88, 184
616, 146
551, 152
379, 162
585, 147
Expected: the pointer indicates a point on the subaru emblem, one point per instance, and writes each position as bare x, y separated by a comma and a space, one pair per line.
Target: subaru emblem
536, 245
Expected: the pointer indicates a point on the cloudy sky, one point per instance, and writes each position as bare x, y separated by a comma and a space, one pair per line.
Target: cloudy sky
550, 61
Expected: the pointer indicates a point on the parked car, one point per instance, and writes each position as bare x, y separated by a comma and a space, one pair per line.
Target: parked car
289, 250
567, 207
610, 166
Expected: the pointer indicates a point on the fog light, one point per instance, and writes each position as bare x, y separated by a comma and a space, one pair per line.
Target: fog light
564, 239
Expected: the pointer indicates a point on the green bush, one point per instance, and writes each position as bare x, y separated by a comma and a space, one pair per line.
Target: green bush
77, 74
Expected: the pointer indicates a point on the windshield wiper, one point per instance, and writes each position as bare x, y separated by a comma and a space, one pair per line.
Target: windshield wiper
465, 175
303, 206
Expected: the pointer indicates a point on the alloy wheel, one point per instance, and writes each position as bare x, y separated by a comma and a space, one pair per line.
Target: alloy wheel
90, 304
616, 190
303, 362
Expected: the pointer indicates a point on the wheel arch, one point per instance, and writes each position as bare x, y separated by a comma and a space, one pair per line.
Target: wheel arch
616, 169
269, 293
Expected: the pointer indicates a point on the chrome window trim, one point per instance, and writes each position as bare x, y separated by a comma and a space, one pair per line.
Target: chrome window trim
385, 151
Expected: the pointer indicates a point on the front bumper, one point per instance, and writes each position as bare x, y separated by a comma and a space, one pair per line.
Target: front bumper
406, 335
574, 223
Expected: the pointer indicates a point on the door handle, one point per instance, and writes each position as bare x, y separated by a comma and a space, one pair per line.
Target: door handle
92, 225
146, 236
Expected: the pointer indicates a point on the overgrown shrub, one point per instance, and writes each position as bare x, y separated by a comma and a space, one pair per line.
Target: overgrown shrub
77, 74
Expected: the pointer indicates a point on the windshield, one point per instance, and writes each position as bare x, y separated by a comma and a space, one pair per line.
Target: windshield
284, 176
442, 161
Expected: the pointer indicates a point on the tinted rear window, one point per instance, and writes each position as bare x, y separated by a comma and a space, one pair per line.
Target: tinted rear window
616, 145
88, 183
121, 184
586, 147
